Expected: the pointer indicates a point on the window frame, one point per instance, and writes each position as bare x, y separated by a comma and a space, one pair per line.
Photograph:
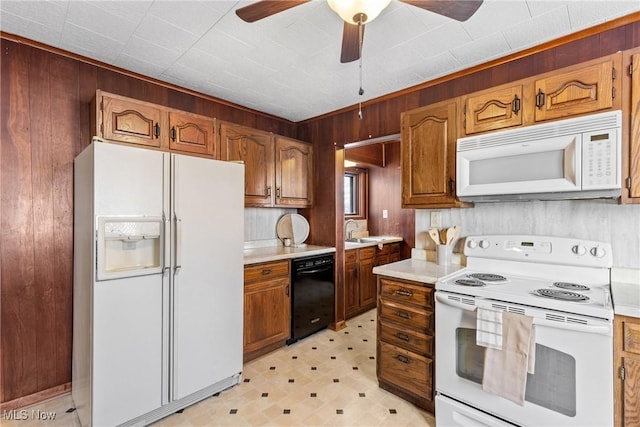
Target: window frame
361, 179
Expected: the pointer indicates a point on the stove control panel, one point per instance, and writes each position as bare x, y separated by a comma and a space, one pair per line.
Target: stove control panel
544, 249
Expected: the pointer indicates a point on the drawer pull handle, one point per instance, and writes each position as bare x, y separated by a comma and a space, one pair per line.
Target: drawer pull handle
404, 293
403, 314
266, 271
403, 337
403, 359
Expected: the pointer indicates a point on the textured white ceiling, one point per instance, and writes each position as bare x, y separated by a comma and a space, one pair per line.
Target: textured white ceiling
288, 64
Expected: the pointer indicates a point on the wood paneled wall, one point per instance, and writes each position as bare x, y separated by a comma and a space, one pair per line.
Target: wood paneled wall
45, 113
386, 194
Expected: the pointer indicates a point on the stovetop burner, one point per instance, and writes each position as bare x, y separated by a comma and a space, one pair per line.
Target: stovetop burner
560, 294
488, 277
470, 282
571, 286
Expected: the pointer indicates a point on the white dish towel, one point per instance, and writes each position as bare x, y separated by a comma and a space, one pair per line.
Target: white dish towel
489, 328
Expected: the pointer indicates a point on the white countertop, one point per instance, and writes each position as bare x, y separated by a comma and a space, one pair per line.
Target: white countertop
416, 270
625, 291
279, 252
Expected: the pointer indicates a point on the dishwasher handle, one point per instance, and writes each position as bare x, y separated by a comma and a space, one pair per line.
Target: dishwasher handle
303, 272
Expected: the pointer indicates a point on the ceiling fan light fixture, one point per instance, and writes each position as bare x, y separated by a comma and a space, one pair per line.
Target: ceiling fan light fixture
358, 11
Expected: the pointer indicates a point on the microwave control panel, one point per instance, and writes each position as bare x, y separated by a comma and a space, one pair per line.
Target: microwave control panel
600, 160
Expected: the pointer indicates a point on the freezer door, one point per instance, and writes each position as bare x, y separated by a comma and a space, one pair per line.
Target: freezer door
207, 288
126, 328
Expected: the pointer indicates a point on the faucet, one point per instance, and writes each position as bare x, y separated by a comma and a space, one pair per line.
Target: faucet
346, 224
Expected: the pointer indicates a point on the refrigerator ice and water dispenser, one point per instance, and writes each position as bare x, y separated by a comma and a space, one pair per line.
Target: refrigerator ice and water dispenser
128, 246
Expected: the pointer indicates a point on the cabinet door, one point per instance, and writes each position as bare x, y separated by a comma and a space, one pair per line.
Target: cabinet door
255, 149
634, 132
190, 133
294, 173
428, 149
494, 109
129, 121
631, 391
368, 289
267, 309
583, 90
351, 285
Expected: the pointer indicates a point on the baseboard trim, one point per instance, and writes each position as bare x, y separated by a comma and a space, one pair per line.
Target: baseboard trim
35, 398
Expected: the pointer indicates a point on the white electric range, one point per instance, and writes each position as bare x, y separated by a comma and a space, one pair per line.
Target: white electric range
563, 284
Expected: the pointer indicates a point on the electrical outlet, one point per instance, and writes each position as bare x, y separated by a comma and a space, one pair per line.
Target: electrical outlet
436, 219
385, 213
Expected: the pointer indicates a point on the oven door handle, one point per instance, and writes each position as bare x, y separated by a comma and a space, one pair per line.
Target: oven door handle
594, 329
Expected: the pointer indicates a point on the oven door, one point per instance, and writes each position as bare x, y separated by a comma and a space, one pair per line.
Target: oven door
572, 384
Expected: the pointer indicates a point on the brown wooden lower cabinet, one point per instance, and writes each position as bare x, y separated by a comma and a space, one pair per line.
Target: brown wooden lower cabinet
267, 307
405, 339
359, 280
627, 371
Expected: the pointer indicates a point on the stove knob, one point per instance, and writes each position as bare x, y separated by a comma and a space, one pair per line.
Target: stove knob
471, 244
484, 244
579, 250
597, 251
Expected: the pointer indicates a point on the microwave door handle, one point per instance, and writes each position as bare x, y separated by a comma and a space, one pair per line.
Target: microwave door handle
446, 301
572, 162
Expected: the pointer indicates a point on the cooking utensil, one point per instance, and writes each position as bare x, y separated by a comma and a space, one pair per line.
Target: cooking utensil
443, 236
452, 234
433, 233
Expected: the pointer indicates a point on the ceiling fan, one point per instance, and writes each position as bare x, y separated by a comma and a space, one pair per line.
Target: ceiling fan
356, 13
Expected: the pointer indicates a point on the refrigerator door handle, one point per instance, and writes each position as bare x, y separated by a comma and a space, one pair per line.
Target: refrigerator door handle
167, 249
178, 263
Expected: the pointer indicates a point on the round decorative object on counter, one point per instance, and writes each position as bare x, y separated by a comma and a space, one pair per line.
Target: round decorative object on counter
294, 227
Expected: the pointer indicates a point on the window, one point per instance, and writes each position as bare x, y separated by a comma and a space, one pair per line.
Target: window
355, 193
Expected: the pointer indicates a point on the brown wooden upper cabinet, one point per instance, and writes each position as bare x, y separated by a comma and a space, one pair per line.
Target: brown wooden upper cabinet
294, 173
493, 109
631, 179
121, 119
428, 147
278, 170
580, 89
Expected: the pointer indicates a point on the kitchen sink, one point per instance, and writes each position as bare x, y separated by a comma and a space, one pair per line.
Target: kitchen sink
373, 239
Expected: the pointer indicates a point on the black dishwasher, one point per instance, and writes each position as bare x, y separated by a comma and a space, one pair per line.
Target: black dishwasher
312, 295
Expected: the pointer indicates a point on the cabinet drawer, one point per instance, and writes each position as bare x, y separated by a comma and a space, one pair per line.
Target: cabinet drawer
406, 338
265, 271
406, 292
406, 369
366, 253
351, 256
632, 337
408, 316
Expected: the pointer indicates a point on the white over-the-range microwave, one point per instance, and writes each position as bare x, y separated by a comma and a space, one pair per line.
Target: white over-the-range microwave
577, 158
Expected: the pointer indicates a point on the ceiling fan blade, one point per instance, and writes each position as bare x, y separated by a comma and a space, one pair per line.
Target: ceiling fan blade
351, 43
460, 10
264, 8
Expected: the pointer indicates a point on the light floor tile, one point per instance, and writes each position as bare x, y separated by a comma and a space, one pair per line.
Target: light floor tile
327, 379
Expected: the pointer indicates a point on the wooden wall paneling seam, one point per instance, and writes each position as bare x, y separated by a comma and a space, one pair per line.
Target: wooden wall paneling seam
19, 327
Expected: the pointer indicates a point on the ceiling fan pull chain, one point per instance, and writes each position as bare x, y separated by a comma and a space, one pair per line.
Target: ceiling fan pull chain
361, 91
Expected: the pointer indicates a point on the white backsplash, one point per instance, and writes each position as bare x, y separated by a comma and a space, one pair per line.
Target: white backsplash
601, 220
260, 223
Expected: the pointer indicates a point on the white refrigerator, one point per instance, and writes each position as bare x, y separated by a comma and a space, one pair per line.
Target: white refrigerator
158, 282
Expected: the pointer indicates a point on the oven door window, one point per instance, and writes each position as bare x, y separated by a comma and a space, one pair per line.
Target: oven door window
552, 385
